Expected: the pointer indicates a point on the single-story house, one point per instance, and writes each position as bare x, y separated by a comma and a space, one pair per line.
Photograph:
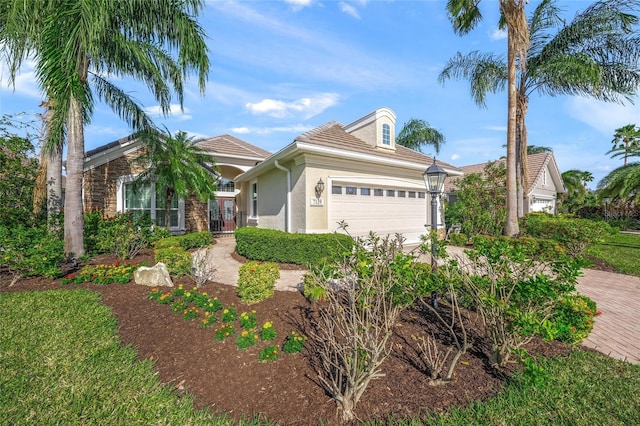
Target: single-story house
109, 171
335, 173
545, 183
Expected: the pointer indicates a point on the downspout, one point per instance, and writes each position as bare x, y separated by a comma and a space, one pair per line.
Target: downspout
287, 224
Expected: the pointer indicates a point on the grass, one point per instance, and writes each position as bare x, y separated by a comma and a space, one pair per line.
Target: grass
62, 363
621, 251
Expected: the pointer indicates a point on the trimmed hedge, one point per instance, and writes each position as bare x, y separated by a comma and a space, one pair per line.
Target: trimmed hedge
186, 241
256, 281
574, 234
279, 246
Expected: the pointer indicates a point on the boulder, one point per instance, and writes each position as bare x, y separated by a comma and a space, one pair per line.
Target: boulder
156, 276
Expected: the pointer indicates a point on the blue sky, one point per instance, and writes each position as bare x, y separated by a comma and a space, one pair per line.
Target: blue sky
280, 68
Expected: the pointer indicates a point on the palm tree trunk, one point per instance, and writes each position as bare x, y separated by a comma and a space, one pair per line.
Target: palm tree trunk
511, 225
54, 181
73, 211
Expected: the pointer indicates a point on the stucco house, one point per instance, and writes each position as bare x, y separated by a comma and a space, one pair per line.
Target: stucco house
353, 173
545, 183
109, 171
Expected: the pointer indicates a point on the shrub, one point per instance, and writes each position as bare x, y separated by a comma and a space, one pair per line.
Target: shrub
177, 260
514, 292
572, 318
458, 239
124, 234
256, 281
278, 246
575, 234
186, 241
28, 252
119, 273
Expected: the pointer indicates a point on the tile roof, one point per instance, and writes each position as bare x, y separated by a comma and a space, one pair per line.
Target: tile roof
227, 144
536, 163
332, 135
110, 145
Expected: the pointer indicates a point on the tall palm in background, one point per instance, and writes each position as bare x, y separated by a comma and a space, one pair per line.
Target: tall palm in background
465, 15
595, 55
626, 142
76, 44
417, 133
575, 181
178, 167
622, 184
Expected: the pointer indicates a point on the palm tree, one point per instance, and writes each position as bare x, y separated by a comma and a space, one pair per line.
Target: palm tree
77, 43
465, 15
626, 142
622, 184
595, 55
178, 167
535, 149
416, 133
575, 181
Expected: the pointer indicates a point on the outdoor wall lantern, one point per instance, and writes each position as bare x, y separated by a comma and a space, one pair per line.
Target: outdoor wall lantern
319, 188
434, 180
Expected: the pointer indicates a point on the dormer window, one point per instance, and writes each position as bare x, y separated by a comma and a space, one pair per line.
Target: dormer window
386, 135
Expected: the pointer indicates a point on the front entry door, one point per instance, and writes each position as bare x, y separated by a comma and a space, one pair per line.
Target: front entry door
222, 215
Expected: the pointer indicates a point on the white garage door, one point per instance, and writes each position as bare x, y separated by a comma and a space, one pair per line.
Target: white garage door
381, 209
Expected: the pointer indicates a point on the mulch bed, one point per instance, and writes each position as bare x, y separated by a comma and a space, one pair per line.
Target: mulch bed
227, 380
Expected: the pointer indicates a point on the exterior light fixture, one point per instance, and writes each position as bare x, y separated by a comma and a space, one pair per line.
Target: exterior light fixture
434, 178
319, 188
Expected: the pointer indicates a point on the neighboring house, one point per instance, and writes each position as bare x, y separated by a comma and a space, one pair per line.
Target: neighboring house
545, 183
333, 173
109, 172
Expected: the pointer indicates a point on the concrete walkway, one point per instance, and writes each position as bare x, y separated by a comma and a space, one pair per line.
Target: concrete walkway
616, 332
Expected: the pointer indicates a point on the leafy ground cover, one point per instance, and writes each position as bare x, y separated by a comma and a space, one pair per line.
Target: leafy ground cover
107, 354
620, 251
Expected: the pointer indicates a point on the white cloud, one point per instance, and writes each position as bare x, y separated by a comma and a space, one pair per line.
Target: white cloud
348, 9
455, 157
25, 81
497, 128
296, 129
305, 107
297, 5
605, 117
498, 34
241, 130
174, 112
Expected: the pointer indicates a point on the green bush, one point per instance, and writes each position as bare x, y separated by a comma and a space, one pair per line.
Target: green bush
572, 318
177, 259
302, 249
186, 241
256, 281
574, 234
458, 239
28, 252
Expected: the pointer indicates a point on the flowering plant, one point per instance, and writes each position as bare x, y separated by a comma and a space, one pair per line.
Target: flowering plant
201, 300
267, 332
224, 331
190, 313
118, 272
179, 306
248, 320
208, 320
293, 343
246, 339
214, 305
179, 291
229, 314
270, 353
160, 297
190, 295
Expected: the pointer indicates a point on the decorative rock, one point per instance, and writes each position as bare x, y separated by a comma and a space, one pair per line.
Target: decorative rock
156, 276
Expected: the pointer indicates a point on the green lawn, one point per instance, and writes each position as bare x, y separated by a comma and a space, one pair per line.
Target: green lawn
622, 251
61, 363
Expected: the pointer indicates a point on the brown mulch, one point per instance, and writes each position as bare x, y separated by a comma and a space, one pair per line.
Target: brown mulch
227, 380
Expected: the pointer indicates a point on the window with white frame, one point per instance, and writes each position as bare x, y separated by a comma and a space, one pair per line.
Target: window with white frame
365, 191
141, 198
544, 177
351, 190
254, 199
386, 135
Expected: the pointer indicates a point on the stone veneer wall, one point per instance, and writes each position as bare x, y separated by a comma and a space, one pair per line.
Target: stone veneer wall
196, 215
101, 187
100, 183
